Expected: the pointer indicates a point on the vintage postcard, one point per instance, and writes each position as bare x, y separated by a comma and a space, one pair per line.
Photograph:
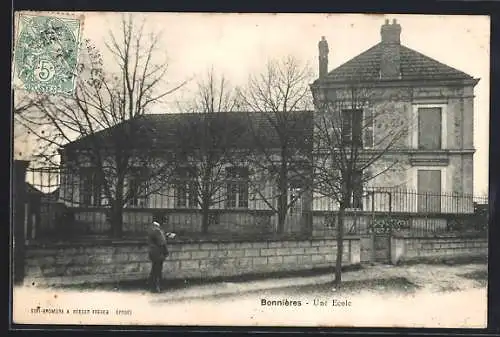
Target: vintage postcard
288, 170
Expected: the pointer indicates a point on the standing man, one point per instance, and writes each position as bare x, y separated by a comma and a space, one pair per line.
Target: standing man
157, 244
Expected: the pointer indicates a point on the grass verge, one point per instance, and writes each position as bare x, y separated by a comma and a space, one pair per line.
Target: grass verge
175, 284
393, 284
449, 261
480, 276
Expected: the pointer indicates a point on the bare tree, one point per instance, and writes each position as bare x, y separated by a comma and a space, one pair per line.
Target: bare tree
24, 103
348, 152
279, 94
27, 101
107, 116
209, 138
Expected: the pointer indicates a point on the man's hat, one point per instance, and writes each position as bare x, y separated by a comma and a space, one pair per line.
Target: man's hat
156, 224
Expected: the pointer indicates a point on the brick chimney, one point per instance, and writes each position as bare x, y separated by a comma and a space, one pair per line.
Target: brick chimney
390, 63
323, 57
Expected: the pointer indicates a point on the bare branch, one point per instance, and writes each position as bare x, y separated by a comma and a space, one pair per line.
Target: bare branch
106, 112
217, 128
347, 142
279, 95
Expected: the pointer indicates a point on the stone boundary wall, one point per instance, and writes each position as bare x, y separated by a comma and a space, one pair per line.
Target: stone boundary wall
57, 264
405, 249
93, 221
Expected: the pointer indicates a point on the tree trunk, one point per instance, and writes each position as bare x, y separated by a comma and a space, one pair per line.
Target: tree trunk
206, 194
307, 214
205, 217
117, 204
283, 197
340, 246
282, 201
116, 219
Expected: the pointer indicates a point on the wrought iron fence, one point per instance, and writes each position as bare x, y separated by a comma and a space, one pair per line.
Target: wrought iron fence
55, 200
397, 200
69, 188
77, 189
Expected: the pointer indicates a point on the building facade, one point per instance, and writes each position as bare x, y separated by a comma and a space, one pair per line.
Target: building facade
431, 104
409, 117
225, 164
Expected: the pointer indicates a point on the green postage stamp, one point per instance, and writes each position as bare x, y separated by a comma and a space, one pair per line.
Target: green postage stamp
46, 52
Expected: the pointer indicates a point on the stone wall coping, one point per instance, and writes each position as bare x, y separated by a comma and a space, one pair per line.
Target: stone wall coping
125, 242
396, 215
442, 236
166, 211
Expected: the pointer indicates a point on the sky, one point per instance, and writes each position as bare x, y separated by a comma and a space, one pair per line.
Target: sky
237, 45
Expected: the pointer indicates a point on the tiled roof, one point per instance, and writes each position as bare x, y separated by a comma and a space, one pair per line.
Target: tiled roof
239, 129
414, 66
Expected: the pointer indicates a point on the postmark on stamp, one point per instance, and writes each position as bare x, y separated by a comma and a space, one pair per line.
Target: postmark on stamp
46, 53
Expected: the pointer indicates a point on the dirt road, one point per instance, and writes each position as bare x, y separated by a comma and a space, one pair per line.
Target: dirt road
407, 296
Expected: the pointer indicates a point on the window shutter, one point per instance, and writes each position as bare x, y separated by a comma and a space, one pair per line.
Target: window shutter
357, 127
368, 127
429, 128
352, 127
99, 188
334, 127
84, 189
346, 126
429, 190
193, 194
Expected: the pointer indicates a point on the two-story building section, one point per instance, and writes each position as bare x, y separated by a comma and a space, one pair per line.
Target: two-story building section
434, 103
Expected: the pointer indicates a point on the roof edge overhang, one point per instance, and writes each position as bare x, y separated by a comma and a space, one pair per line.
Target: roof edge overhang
462, 82
77, 143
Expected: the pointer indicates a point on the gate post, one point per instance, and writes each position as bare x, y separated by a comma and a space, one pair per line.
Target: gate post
18, 202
